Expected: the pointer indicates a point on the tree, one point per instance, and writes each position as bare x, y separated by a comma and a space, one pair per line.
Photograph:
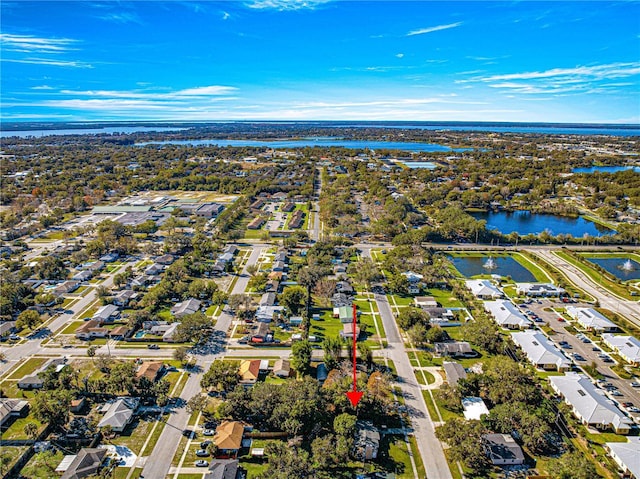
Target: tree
252, 269
572, 465
30, 430
332, 351
418, 334
465, 441
122, 378
365, 272
28, 319
324, 290
91, 350
52, 407
180, 354
436, 334
285, 461
301, 356
198, 403
294, 298
366, 355
221, 376
239, 301
399, 284
410, 316
258, 282
193, 327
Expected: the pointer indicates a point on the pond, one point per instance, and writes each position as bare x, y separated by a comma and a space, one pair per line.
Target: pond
618, 267
312, 142
428, 165
605, 169
525, 222
503, 265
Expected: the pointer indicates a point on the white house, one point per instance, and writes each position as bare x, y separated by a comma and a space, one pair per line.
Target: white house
626, 455
589, 404
539, 289
106, 314
507, 315
591, 319
483, 289
627, 346
540, 351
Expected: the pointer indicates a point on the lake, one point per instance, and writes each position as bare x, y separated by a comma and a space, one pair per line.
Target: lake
524, 222
87, 131
614, 266
505, 266
313, 142
605, 169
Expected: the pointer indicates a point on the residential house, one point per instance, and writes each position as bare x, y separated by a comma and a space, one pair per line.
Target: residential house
106, 314
474, 408
628, 347
278, 266
539, 289
249, 371
282, 368
209, 210
288, 207
91, 329
414, 281
151, 370
268, 299
224, 469
540, 351
425, 302
626, 456
12, 408
154, 269
295, 320
226, 258
591, 320
77, 405
454, 372
168, 335
82, 276
367, 441
119, 413
502, 450
344, 287
65, 288
86, 463
256, 223
109, 257
184, 308
507, 315
454, 349
272, 286
261, 334
483, 289
265, 314
589, 404
123, 297
7, 328
228, 438
348, 331
30, 382
340, 299
345, 313
165, 260
119, 332
441, 316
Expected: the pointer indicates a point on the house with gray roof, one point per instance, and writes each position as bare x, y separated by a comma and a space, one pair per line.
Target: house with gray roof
454, 372
626, 456
591, 319
626, 346
589, 404
540, 351
507, 315
184, 308
119, 413
86, 463
502, 450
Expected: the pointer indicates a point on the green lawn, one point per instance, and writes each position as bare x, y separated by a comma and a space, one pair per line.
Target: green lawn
27, 367
16, 429
43, 465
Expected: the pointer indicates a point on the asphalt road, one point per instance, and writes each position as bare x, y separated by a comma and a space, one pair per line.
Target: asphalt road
159, 462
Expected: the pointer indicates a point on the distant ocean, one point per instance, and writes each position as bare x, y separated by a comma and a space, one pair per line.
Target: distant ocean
22, 130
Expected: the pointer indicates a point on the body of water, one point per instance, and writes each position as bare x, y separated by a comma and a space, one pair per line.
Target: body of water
505, 266
605, 169
313, 142
524, 222
428, 165
614, 266
87, 131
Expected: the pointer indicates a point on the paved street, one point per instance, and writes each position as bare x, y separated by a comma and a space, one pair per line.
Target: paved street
430, 447
159, 462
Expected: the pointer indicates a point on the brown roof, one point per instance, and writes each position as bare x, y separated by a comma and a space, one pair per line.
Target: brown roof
88, 325
150, 370
250, 369
119, 331
229, 435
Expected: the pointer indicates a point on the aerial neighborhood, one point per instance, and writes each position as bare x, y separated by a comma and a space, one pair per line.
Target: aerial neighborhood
179, 311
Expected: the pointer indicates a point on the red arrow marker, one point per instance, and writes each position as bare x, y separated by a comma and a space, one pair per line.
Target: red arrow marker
354, 396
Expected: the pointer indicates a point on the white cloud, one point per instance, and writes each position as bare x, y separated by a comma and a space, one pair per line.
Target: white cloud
226, 15
608, 71
55, 63
42, 87
122, 17
437, 28
286, 5
399, 55
207, 91
216, 92
29, 43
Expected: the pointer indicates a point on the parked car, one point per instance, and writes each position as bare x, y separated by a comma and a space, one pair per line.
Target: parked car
208, 432
205, 444
153, 346
202, 453
202, 463
635, 384
615, 392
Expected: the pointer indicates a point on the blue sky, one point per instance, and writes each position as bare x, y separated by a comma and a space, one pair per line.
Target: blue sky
321, 60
